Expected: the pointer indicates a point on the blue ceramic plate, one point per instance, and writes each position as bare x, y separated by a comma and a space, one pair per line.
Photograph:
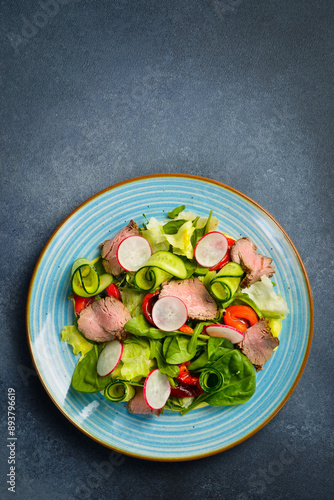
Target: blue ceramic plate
202, 432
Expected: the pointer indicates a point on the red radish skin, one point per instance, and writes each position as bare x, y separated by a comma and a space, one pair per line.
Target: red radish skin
157, 389
211, 249
133, 252
228, 332
169, 313
227, 256
109, 358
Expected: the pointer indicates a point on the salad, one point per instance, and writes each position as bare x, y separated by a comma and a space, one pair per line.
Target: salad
173, 315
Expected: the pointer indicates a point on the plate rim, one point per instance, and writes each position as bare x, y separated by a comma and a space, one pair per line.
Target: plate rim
293, 386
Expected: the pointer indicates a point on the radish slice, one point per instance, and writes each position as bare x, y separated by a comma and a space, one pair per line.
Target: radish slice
133, 252
156, 389
228, 332
169, 313
109, 358
211, 249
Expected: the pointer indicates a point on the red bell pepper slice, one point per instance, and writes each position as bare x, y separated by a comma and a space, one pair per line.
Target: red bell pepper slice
184, 376
185, 391
113, 291
240, 317
148, 303
81, 302
186, 329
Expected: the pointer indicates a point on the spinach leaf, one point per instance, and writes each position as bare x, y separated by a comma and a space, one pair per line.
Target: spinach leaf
217, 347
238, 372
155, 333
137, 325
165, 346
85, 377
200, 362
176, 211
173, 226
200, 231
193, 342
197, 235
177, 351
206, 229
239, 379
157, 354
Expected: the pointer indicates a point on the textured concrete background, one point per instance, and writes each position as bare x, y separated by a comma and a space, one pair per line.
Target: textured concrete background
93, 93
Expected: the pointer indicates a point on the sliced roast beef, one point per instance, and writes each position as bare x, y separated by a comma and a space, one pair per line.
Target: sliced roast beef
255, 265
109, 248
259, 343
104, 320
194, 295
137, 404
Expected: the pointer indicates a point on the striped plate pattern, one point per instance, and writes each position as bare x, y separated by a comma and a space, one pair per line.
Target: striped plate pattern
168, 437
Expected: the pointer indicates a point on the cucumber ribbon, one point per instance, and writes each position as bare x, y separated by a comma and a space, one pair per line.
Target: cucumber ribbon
85, 279
211, 380
119, 390
161, 266
226, 282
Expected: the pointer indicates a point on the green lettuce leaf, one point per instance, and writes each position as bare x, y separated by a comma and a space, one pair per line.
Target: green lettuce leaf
132, 299
79, 344
155, 235
180, 240
267, 300
177, 233
136, 362
208, 223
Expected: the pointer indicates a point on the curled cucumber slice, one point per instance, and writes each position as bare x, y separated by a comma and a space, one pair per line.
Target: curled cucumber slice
226, 282
86, 281
159, 267
149, 278
118, 391
168, 262
211, 380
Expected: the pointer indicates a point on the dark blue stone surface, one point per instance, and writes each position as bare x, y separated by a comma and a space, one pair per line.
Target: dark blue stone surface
93, 93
